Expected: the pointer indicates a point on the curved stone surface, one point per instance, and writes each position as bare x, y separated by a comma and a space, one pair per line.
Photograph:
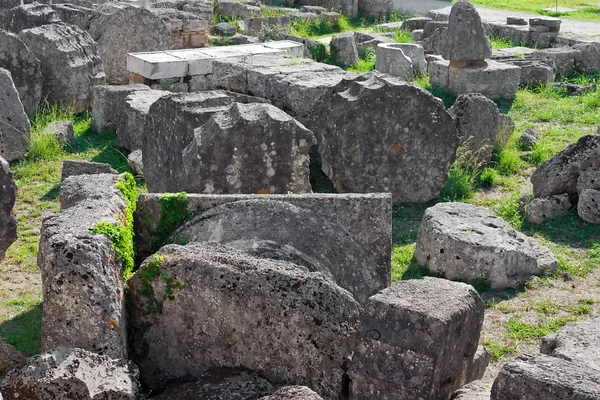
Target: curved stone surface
392, 60
576, 341
466, 37
8, 195
15, 130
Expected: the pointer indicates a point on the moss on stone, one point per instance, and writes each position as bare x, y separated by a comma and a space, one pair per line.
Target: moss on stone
174, 213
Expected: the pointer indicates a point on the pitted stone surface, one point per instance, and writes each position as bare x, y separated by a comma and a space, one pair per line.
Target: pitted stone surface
79, 167
29, 16
343, 48
588, 207
368, 143
543, 209
462, 242
131, 127
293, 393
576, 341
272, 317
108, 106
8, 195
466, 37
15, 130
25, 69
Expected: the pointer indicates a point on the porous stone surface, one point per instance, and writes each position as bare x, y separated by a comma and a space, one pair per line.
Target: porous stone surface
588, 207
473, 391
63, 130
29, 16
589, 178
237, 9
543, 209
540, 377
293, 393
391, 60
439, 72
108, 105
560, 174
131, 125
81, 272
15, 130
576, 341
528, 139
72, 374
418, 339
535, 72
436, 42
462, 242
562, 59
272, 317
8, 195
135, 159
10, 357
412, 24
224, 28
220, 384
123, 28
249, 148
587, 58
73, 14
416, 53
431, 26
477, 121
295, 234
516, 21
26, 70
79, 167
492, 79
466, 37
343, 49
361, 151
71, 63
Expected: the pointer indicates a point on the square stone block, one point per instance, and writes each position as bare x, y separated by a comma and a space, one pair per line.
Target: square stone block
494, 80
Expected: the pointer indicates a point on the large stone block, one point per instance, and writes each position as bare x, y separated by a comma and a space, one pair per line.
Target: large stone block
108, 105
577, 341
343, 49
561, 58
15, 130
25, 69
71, 63
392, 60
540, 377
8, 195
466, 38
288, 324
81, 272
542, 209
494, 80
588, 207
372, 130
235, 9
249, 148
461, 242
418, 340
29, 16
587, 58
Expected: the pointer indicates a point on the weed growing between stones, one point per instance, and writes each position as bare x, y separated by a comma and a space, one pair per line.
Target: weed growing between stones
173, 213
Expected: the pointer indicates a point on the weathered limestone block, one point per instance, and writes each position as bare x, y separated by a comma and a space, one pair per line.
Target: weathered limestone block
477, 121
188, 30
589, 178
431, 26
123, 28
535, 72
71, 64
587, 58
461, 242
418, 339
293, 393
466, 37
437, 42
81, 272
73, 14
416, 53
368, 143
560, 174
540, 377
562, 58
79, 167
492, 79
473, 391
63, 130
273, 317
577, 341
343, 49
72, 374
108, 105
588, 207
391, 60
376, 8
10, 357
295, 234
348, 7
8, 195
29, 16
25, 69
412, 24
135, 160
543, 209
15, 130
235, 9
439, 73
249, 148
131, 127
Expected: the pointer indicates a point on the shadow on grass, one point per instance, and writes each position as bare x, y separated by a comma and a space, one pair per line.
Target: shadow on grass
568, 230
24, 331
104, 143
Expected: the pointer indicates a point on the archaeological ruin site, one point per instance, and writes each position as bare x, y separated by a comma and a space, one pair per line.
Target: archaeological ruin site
299, 199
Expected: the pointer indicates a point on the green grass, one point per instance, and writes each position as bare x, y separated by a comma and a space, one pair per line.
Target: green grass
499, 350
586, 10
501, 43
533, 332
365, 64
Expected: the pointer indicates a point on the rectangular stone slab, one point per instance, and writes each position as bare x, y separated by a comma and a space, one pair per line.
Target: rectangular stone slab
366, 216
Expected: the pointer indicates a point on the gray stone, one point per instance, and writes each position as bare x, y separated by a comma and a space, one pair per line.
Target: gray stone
560, 174
515, 21
131, 126
343, 49
80, 167
72, 374
417, 35
431, 26
123, 28
588, 207
587, 58
81, 272
63, 130
506, 127
541, 210
73, 15
528, 139
462, 242
29, 16
313, 9
466, 38
188, 29
540, 377
492, 79
477, 122
412, 24
437, 42
224, 28
8, 195
25, 69
270, 25
439, 73
473, 391
108, 105
589, 178
367, 218
249, 148
15, 131
392, 60
293, 393
268, 316
10, 357
535, 73
417, 340
576, 341
573, 89
202, 8
416, 54
294, 234
71, 64
236, 9
549, 22
362, 152
220, 385
562, 58
136, 163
